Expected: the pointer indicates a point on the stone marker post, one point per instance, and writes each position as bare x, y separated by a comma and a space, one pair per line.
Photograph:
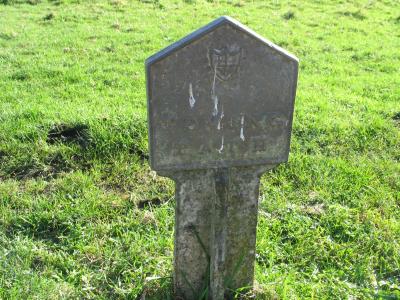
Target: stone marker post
220, 110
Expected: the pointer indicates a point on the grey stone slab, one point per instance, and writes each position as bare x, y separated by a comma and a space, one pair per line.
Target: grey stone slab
220, 110
221, 97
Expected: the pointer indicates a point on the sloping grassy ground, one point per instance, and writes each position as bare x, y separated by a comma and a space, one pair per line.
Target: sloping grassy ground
83, 217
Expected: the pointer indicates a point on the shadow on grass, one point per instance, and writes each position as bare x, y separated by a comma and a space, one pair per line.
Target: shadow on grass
67, 133
147, 203
44, 227
72, 146
46, 167
158, 288
161, 288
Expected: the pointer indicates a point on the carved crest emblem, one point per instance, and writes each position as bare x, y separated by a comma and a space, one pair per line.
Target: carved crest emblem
225, 61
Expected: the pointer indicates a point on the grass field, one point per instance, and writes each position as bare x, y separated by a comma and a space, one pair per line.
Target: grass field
82, 216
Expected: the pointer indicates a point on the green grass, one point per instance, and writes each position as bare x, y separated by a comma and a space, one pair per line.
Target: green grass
74, 175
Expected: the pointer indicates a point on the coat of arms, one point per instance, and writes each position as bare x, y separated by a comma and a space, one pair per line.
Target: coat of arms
225, 61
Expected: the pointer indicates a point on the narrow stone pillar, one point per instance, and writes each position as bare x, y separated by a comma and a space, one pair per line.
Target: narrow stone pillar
215, 231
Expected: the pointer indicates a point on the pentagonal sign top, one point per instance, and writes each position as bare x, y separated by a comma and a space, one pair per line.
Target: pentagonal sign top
221, 97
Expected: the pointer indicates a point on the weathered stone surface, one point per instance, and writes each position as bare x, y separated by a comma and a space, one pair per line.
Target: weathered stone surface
233, 229
220, 109
194, 193
221, 97
215, 230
